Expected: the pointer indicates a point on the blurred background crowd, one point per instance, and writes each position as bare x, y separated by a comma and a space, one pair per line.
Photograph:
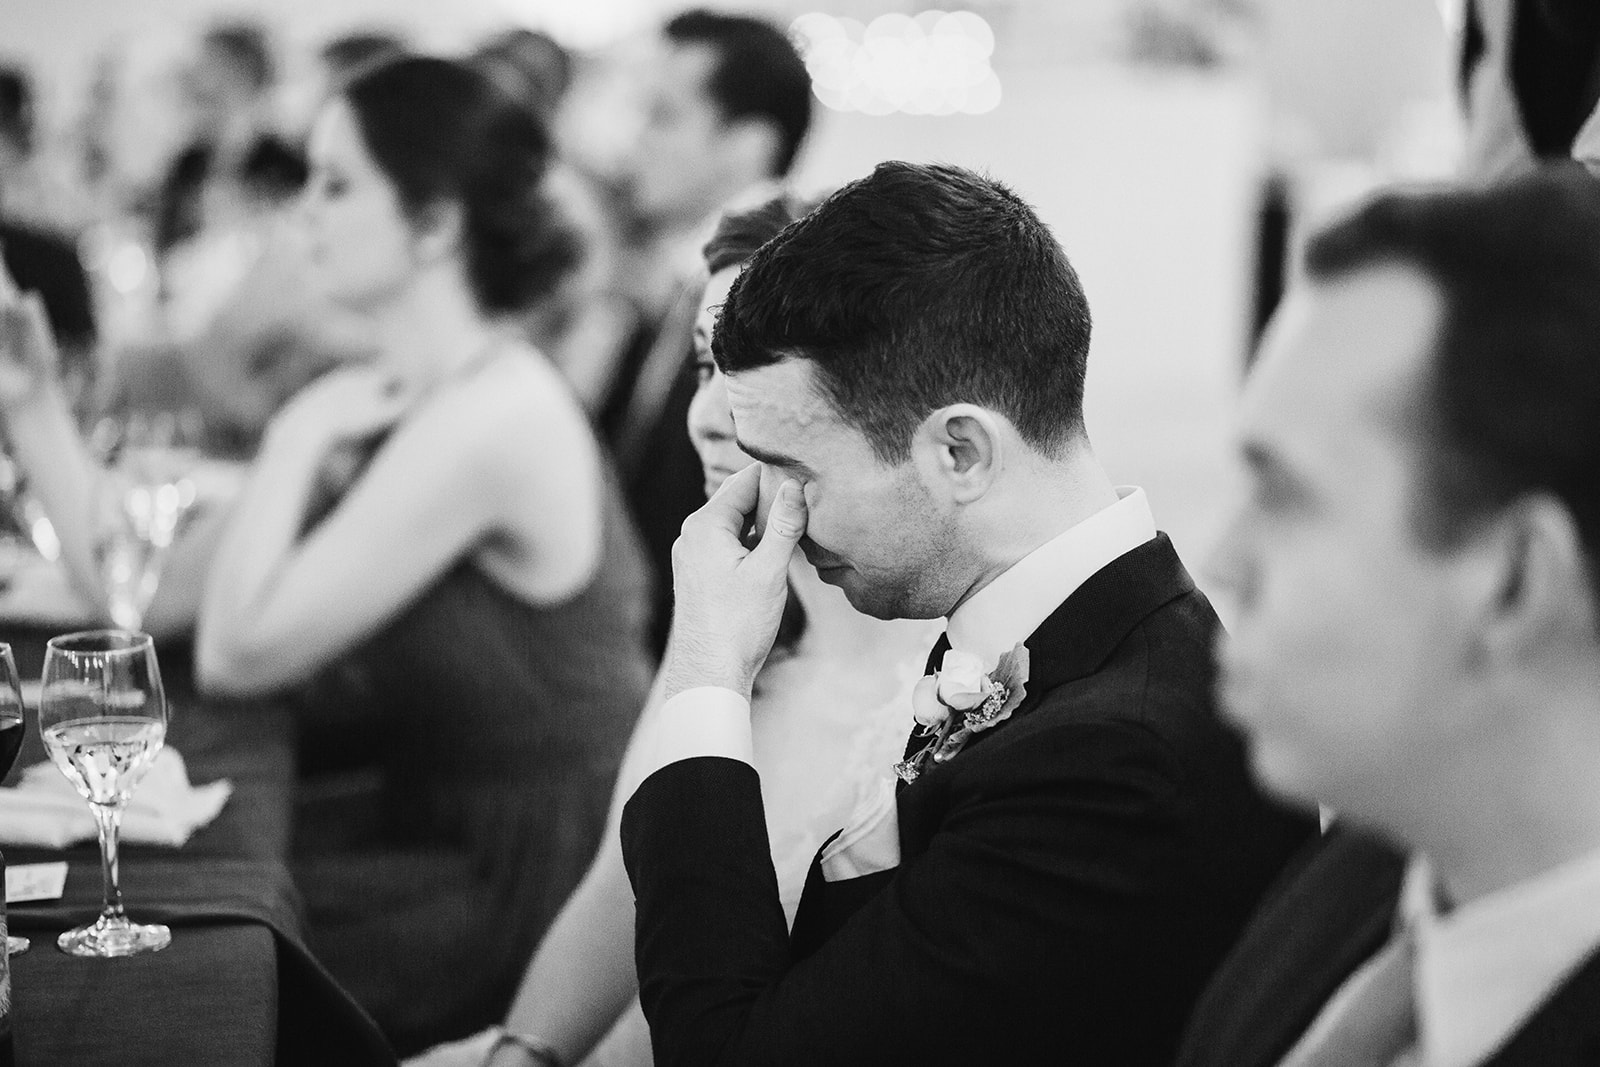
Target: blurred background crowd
163, 141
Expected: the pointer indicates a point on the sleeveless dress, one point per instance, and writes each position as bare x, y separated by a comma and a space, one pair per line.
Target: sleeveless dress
494, 729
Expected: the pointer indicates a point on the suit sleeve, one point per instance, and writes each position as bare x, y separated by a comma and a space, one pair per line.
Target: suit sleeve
1053, 884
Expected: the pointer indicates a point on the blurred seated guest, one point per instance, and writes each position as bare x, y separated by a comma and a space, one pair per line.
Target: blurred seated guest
38, 258
527, 65
233, 162
1530, 74
254, 345
478, 566
1417, 643
237, 351
727, 106
442, 524
831, 711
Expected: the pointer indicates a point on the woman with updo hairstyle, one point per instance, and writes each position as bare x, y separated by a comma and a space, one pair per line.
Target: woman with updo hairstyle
432, 552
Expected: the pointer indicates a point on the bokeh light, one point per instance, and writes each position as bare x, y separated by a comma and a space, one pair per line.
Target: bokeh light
936, 63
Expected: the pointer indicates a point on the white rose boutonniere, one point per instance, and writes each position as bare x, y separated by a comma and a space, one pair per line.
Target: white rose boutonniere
959, 700
961, 681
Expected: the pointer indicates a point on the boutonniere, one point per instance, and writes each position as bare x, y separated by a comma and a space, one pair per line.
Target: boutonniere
959, 700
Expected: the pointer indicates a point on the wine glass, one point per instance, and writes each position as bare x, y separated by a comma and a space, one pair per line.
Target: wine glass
145, 494
11, 730
103, 718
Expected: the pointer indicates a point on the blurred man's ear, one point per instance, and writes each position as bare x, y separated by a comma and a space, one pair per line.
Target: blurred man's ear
1542, 598
753, 142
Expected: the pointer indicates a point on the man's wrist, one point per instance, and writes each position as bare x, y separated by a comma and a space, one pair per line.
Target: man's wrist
689, 669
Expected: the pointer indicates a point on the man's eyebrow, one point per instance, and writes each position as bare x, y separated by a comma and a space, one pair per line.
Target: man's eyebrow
771, 459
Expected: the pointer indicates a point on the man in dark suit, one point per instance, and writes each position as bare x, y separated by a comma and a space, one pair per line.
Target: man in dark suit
1076, 841
1418, 563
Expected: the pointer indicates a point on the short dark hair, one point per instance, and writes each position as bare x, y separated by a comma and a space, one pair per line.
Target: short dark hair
919, 286
349, 54
16, 108
758, 73
527, 64
245, 46
1510, 402
441, 131
740, 233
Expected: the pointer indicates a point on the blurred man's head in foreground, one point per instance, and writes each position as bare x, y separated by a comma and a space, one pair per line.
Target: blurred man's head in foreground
1414, 560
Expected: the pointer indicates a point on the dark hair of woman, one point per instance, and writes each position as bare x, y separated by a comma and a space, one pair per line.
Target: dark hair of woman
443, 133
736, 238
740, 233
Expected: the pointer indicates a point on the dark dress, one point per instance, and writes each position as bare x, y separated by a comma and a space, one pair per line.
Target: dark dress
483, 735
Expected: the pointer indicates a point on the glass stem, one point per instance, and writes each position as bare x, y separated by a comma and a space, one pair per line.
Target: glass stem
108, 819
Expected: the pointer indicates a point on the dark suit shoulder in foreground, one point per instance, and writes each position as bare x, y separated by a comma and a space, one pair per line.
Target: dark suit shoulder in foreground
1334, 907
1066, 885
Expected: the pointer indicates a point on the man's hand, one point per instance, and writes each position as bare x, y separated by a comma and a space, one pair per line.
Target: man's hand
729, 598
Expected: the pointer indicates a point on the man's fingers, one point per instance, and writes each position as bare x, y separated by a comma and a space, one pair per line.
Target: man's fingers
731, 506
785, 523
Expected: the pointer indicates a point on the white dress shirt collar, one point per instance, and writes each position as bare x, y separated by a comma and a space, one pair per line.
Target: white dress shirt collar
1485, 968
1004, 612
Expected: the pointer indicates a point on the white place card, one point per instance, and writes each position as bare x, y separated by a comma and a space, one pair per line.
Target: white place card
35, 881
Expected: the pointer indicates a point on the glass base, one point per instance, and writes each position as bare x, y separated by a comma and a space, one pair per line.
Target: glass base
114, 937
16, 946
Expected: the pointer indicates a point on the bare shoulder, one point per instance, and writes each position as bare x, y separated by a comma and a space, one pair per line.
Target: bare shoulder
514, 403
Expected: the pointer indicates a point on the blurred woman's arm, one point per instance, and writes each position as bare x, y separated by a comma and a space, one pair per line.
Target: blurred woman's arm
495, 460
44, 439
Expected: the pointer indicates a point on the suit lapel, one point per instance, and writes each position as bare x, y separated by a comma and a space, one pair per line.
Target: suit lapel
1089, 625
1073, 642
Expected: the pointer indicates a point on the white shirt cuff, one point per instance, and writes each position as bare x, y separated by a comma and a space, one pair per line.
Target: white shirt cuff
705, 721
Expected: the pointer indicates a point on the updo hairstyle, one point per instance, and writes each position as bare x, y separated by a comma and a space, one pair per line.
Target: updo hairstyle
444, 133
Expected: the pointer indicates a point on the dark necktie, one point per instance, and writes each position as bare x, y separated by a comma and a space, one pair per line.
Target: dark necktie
916, 741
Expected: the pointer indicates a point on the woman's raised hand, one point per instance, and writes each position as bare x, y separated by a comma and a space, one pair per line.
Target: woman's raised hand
28, 353
344, 405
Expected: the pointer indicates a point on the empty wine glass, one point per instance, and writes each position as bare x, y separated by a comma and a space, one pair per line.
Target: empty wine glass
12, 727
103, 718
146, 492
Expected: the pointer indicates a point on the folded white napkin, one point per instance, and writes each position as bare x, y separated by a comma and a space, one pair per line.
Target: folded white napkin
45, 811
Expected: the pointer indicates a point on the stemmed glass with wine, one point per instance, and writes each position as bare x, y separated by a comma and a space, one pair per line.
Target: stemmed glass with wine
12, 727
103, 718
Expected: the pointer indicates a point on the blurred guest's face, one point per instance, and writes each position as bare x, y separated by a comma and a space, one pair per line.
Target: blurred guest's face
871, 528
677, 171
710, 418
359, 240
1345, 659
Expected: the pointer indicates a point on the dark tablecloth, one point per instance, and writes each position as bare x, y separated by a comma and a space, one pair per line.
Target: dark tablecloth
237, 985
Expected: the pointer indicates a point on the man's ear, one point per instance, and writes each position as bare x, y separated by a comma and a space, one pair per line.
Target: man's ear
1541, 593
753, 144
436, 231
962, 449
